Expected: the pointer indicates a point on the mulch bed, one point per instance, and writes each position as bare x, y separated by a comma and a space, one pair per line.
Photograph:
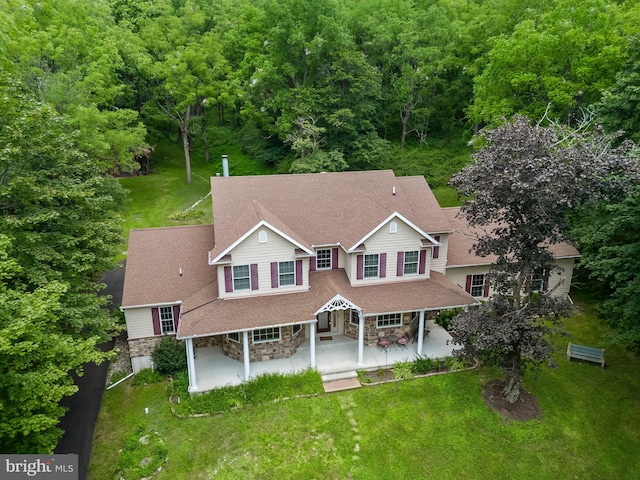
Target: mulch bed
524, 409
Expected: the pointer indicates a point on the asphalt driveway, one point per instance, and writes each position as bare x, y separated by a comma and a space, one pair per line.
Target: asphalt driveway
84, 406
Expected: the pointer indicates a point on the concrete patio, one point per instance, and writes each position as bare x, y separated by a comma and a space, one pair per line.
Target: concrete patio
334, 358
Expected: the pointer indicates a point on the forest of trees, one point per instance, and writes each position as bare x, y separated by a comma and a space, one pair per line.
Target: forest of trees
304, 86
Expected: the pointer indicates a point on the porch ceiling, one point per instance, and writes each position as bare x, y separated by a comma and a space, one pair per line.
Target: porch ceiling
221, 316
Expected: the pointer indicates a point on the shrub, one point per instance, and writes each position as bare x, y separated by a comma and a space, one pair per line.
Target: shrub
445, 316
454, 363
402, 370
169, 356
147, 376
422, 365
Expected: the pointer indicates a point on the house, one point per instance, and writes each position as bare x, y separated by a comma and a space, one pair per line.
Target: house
358, 255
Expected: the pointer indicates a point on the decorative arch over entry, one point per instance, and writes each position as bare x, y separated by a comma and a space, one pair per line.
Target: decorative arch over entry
338, 303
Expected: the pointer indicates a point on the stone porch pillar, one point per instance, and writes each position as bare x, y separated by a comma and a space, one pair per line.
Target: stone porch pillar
360, 338
191, 366
245, 350
312, 344
420, 332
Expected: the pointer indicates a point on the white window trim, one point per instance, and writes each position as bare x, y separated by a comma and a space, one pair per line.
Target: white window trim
262, 236
318, 267
287, 273
364, 266
300, 329
357, 322
417, 263
388, 317
237, 334
480, 286
257, 332
163, 320
233, 278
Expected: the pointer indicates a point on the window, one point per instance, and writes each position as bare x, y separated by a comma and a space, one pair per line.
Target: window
241, 279
296, 329
477, 285
262, 236
393, 227
389, 320
166, 320
323, 259
286, 273
234, 337
355, 317
538, 281
371, 266
410, 262
266, 335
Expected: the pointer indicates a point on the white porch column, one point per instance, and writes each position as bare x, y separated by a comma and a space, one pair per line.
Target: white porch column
245, 350
360, 338
191, 366
312, 344
420, 332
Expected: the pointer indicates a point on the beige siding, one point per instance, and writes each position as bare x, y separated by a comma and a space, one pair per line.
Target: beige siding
405, 239
275, 249
139, 322
561, 276
459, 275
440, 264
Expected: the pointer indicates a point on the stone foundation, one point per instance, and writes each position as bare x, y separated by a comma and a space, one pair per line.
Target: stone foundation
371, 333
261, 352
143, 347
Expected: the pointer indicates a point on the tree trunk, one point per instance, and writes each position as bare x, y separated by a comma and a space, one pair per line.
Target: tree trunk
184, 132
205, 141
513, 382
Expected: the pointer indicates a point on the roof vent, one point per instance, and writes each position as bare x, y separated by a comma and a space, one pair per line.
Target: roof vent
225, 165
393, 191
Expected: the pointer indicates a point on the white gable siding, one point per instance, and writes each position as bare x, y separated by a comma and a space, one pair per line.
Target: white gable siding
139, 322
405, 239
250, 251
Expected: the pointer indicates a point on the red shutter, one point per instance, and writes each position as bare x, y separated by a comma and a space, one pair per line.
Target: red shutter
423, 261
468, 286
228, 280
298, 272
254, 276
400, 267
383, 265
274, 274
360, 267
155, 316
486, 285
334, 258
176, 317
436, 250
312, 264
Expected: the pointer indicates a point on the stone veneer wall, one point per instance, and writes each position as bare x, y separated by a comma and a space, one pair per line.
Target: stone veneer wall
371, 333
141, 347
260, 352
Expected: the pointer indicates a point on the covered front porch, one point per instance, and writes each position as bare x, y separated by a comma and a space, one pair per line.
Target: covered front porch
339, 354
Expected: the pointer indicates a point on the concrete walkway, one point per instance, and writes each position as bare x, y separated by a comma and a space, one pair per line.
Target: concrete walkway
214, 369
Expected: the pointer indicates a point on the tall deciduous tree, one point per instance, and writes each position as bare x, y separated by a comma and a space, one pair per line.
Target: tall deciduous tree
60, 230
524, 182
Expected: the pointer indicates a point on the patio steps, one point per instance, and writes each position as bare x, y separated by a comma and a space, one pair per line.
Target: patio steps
336, 382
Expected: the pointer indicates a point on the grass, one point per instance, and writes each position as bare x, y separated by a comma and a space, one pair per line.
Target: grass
434, 427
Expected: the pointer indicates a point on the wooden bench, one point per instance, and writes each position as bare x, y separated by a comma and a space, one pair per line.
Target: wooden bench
585, 353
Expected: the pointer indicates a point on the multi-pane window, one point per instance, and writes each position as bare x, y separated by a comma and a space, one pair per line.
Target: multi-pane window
234, 336
297, 328
166, 320
266, 335
286, 273
355, 317
537, 281
323, 259
477, 285
371, 263
241, 278
389, 320
410, 262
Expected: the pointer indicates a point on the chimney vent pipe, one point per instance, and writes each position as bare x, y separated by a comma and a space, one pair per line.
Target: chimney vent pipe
225, 165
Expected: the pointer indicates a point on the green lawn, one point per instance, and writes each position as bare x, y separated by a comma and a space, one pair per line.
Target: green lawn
435, 427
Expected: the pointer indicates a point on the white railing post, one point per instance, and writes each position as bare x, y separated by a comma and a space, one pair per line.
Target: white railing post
245, 350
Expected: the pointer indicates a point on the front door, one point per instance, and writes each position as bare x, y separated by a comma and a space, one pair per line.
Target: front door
324, 322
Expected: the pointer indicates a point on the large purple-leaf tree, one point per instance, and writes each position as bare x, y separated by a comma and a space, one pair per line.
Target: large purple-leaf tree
524, 182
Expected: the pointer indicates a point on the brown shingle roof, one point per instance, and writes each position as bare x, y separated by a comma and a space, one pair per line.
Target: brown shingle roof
155, 258
222, 316
463, 237
323, 208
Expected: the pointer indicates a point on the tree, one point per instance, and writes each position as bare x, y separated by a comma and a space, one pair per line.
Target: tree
524, 182
609, 241
60, 231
